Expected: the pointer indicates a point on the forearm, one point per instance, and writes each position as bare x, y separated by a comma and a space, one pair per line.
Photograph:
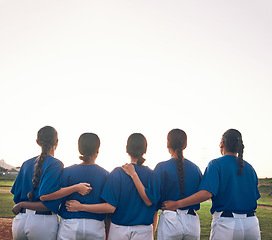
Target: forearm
35, 206
141, 189
97, 208
196, 198
63, 192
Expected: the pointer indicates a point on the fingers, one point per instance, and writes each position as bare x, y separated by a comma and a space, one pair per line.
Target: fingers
68, 205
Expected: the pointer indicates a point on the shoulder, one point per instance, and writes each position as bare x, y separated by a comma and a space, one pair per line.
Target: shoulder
191, 165
250, 167
247, 164
143, 168
69, 168
164, 164
101, 169
52, 163
118, 171
215, 162
30, 161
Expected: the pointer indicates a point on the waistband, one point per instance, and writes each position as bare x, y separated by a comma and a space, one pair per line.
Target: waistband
232, 215
189, 211
28, 211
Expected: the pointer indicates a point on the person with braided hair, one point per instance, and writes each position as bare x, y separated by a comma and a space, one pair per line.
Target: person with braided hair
131, 219
171, 180
232, 184
38, 176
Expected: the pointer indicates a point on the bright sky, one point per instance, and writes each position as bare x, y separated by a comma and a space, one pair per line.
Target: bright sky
119, 67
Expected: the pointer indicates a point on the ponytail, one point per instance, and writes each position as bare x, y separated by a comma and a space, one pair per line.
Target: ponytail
140, 161
47, 138
179, 163
136, 147
37, 174
233, 143
240, 156
177, 141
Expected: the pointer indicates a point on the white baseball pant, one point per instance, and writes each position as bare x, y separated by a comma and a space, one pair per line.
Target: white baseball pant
137, 232
177, 225
238, 227
81, 229
31, 226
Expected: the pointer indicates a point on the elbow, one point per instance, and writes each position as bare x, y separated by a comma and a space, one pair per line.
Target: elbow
112, 209
43, 198
207, 195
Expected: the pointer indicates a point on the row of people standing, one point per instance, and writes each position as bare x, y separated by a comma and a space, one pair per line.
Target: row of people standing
132, 194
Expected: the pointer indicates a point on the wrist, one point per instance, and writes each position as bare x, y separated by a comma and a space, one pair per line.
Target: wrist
76, 187
81, 207
133, 175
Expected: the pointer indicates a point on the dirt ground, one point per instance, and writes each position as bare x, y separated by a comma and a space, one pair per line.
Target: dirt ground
5, 228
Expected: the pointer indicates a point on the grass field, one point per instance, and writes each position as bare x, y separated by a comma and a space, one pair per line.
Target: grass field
264, 215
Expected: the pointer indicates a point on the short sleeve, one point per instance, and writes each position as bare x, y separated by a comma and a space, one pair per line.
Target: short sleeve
210, 180
111, 189
153, 191
50, 179
64, 178
16, 188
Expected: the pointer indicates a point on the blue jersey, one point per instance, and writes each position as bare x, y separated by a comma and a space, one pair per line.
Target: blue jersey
230, 191
164, 184
93, 174
49, 181
120, 191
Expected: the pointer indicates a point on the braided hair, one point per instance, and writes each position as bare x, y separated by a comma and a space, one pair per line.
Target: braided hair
136, 147
47, 137
88, 145
233, 143
177, 140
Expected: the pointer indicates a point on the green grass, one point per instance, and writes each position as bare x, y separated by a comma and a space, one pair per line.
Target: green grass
265, 181
265, 188
265, 221
6, 198
6, 204
6, 183
205, 217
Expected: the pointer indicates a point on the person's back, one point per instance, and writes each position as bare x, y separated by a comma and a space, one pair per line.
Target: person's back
121, 192
76, 225
94, 175
165, 184
38, 176
231, 192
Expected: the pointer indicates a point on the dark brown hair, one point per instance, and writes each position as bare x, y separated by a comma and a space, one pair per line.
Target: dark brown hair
88, 145
233, 143
177, 140
47, 137
136, 147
